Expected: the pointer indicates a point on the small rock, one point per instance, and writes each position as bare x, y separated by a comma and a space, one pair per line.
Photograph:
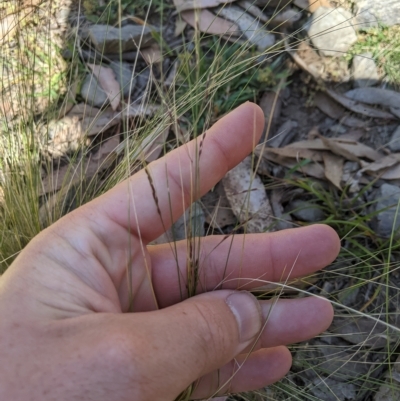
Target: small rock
305, 211
364, 70
387, 198
92, 92
108, 39
252, 29
124, 75
331, 31
394, 144
372, 13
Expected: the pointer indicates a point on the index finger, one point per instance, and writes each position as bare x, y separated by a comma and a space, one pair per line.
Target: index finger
149, 202
243, 262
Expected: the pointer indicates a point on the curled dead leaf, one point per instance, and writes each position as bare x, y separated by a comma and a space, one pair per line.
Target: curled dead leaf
183, 5
246, 194
108, 82
359, 108
207, 22
333, 168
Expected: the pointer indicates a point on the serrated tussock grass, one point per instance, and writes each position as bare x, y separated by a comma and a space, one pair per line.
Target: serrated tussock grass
212, 77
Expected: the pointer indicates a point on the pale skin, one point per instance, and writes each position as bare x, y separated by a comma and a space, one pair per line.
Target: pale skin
66, 332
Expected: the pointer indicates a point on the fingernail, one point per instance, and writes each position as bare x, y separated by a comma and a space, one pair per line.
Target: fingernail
247, 312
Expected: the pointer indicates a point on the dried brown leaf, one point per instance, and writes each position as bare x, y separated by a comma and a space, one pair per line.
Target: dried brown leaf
252, 9
103, 158
101, 122
348, 149
179, 27
328, 106
63, 177
374, 96
271, 103
83, 110
392, 173
207, 22
297, 153
338, 149
152, 54
184, 5
351, 151
311, 169
70, 174
383, 163
152, 146
333, 168
140, 110
108, 82
246, 194
286, 18
359, 108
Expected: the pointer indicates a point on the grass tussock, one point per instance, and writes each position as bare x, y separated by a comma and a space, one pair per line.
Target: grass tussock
212, 77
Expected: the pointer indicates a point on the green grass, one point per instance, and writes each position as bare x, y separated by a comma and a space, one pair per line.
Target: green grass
384, 44
213, 76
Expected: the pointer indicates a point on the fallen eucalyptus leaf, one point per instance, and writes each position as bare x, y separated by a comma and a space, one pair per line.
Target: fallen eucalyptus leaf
252, 9
359, 107
333, 168
208, 22
184, 5
108, 82
392, 173
375, 96
381, 164
246, 194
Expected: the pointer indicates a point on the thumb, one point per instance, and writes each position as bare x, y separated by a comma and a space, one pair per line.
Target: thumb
193, 338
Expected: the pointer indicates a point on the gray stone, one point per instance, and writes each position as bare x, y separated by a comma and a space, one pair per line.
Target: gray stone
108, 39
387, 198
394, 144
92, 92
250, 26
305, 211
372, 13
364, 71
331, 31
124, 75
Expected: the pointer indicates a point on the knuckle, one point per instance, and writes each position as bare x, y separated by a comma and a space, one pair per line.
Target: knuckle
215, 336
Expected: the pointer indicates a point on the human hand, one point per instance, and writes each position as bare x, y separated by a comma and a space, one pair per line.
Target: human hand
65, 333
